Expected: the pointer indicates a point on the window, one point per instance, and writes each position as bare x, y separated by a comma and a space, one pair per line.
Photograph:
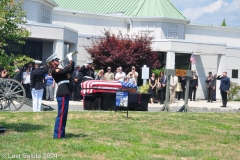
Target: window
45, 15
147, 28
172, 31
182, 61
234, 73
128, 27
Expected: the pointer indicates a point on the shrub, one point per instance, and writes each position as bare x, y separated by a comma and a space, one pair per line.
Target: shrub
144, 88
233, 91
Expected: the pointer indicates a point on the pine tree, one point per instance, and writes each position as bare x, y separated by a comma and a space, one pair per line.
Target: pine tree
224, 23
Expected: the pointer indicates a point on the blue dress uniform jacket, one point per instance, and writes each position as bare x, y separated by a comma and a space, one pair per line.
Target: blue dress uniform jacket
87, 72
36, 78
60, 75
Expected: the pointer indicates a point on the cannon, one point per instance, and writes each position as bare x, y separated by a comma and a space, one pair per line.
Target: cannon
13, 96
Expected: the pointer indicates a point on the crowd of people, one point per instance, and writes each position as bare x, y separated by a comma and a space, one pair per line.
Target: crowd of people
23, 75
158, 85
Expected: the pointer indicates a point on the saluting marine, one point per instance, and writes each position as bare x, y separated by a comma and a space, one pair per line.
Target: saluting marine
37, 86
61, 77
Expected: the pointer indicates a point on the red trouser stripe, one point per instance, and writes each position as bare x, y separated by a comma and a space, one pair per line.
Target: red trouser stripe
61, 117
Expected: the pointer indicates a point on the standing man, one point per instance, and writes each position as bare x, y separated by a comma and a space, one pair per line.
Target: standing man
87, 70
37, 86
109, 76
173, 82
193, 86
61, 77
182, 80
224, 87
134, 74
76, 81
120, 76
210, 86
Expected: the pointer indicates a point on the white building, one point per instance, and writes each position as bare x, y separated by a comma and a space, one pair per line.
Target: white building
61, 26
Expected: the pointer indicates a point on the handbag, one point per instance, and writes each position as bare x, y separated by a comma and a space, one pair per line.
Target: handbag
159, 86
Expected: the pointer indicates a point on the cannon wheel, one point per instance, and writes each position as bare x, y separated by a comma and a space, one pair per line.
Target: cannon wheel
12, 95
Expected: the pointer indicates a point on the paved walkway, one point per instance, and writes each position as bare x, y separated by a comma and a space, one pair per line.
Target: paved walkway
195, 106
204, 106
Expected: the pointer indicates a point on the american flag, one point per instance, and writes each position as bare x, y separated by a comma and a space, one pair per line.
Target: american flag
192, 59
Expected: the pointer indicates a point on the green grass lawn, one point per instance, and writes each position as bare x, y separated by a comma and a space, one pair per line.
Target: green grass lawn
106, 135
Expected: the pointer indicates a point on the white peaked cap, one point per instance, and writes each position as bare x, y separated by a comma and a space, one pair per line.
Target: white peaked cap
52, 57
37, 62
89, 61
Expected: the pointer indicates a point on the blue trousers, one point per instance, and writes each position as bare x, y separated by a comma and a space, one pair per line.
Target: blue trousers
61, 119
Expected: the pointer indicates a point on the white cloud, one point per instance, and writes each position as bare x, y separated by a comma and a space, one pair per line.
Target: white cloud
194, 13
234, 6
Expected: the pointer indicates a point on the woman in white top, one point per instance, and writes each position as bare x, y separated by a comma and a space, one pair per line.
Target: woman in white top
26, 82
131, 79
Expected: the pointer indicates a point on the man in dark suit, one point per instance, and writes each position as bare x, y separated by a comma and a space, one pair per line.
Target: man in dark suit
193, 86
76, 82
210, 86
224, 87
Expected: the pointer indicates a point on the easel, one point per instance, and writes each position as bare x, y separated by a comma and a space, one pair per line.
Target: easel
177, 72
119, 99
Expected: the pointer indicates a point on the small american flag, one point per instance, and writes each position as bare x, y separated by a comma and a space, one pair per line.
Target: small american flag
192, 59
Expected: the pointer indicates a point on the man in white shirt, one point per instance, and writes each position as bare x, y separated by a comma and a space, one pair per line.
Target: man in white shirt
120, 76
26, 82
173, 82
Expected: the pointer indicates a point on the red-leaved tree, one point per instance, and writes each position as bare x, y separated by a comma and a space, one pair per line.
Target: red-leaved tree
125, 51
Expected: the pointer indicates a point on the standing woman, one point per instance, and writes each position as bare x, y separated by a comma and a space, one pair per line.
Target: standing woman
152, 87
26, 82
163, 82
159, 86
100, 75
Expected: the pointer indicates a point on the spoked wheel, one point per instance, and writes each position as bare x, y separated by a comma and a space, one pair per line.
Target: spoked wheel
12, 95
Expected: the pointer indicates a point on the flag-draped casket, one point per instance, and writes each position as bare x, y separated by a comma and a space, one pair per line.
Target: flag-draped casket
98, 86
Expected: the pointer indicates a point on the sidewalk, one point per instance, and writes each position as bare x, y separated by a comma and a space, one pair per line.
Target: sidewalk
204, 106
195, 106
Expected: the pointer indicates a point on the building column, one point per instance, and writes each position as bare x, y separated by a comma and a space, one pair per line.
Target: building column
72, 48
220, 70
59, 48
170, 60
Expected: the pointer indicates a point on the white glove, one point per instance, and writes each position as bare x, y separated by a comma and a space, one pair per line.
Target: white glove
69, 56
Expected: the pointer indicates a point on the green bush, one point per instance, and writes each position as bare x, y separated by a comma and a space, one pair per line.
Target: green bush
233, 91
144, 88
158, 71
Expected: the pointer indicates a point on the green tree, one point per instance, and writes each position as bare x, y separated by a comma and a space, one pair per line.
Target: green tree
224, 23
12, 19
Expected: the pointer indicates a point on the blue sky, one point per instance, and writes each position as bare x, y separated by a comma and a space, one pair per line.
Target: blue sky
210, 12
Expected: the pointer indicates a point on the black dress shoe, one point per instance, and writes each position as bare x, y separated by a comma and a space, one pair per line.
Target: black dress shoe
208, 101
194, 100
222, 106
190, 99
